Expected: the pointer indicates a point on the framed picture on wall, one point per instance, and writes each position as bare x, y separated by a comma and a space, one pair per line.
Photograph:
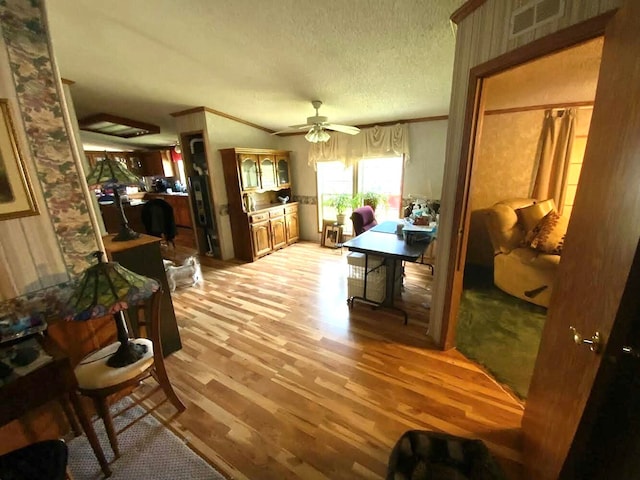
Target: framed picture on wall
16, 193
332, 235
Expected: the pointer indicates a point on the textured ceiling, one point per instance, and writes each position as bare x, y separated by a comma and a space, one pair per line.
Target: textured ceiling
259, 60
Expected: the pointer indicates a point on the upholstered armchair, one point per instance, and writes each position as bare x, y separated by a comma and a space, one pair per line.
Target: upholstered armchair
526, 256
363, 219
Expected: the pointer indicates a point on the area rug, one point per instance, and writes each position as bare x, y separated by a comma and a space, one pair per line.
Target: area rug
148, 450
500, 332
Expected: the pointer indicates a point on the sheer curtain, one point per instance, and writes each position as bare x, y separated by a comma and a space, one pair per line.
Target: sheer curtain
374, 142
556, 140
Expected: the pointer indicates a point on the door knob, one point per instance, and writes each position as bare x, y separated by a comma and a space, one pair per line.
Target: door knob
595, 342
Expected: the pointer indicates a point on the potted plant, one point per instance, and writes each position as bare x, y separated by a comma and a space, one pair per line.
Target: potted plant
373, 199
341, 202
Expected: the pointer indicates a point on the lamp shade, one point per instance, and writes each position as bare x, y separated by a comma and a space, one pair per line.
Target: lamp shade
107, 288
317, 134
110, 173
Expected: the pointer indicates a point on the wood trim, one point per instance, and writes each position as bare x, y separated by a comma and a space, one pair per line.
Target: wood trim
66, 81
303, 132
560, 40
457, 252
500, 111
220, 114
465, 10
434, 118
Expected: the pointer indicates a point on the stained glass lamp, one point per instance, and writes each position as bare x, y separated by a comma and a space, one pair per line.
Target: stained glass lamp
109, 288
112, 174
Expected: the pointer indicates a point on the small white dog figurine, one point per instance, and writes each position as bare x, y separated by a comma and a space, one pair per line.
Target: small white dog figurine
189, 273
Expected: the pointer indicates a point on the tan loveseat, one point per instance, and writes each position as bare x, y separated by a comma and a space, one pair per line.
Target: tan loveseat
519, 270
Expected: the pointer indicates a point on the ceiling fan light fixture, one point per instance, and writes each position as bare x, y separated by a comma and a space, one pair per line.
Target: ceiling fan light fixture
317, 134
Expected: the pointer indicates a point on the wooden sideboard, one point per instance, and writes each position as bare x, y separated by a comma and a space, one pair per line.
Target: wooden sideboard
260, 222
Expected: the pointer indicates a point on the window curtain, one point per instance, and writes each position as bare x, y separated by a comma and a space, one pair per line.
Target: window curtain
556, 140
374, 142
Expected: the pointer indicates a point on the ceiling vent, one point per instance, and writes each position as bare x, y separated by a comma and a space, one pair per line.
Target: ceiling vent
116, 126
535, 14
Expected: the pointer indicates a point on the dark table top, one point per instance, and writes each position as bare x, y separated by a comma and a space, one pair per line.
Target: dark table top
387, 245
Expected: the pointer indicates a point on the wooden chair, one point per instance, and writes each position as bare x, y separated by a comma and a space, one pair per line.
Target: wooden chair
97, 380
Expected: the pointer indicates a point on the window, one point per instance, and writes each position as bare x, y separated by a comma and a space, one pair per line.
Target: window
333, 177
377, 175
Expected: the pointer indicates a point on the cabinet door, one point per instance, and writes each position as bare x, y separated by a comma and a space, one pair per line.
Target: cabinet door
278, 232
152, 163
267, 171
181, 211
282, 171
261, 238
134, 164
293, 228
249, 172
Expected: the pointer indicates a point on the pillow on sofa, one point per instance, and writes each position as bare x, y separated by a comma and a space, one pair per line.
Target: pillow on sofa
550, 233
530, 216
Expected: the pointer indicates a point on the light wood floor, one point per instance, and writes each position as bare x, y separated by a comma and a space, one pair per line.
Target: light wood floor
282, 381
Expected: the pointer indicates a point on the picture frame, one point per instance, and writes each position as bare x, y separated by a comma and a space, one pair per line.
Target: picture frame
325, 224
16, 193
332, 236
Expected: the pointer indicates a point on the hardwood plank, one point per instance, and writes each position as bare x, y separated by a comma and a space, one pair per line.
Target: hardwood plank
281, 380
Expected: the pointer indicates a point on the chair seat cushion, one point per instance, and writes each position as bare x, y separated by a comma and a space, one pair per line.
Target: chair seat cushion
93, 372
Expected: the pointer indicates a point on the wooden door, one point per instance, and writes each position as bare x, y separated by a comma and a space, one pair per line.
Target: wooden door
261, 238
593, 291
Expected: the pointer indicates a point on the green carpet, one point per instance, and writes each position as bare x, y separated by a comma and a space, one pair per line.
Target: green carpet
500, 332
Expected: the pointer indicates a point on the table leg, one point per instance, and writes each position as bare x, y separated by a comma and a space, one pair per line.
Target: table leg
73, 420
90, 432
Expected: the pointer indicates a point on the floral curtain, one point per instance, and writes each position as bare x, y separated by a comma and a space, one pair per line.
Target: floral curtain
374, 142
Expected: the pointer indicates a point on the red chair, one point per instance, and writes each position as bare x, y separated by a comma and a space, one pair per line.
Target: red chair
363, 219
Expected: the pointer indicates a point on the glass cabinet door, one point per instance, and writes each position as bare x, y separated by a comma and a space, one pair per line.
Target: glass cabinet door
283, 172
267, 172
249, 172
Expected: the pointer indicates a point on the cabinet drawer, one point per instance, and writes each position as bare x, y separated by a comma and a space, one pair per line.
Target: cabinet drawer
259, 217
278, 212
291, 209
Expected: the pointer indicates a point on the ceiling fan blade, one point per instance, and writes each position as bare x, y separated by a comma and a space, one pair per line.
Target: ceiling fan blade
342, 128
292, 129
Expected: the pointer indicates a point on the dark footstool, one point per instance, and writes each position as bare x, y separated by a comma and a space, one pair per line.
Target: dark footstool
423, 455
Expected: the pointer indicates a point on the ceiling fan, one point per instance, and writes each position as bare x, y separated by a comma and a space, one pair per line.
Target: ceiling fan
318, 127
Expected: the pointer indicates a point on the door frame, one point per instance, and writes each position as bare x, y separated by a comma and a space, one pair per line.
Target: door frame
555, 42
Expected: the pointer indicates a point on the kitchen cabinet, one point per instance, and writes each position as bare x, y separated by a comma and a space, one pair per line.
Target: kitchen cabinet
156, 163
255, 179
132, 160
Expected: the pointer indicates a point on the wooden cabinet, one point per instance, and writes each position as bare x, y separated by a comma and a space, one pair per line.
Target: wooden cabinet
291, 224
283, 174
156, 163
264, 176
249, 173
261, 238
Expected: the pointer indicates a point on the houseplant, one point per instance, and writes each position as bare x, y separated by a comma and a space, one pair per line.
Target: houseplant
373, 199
341, 202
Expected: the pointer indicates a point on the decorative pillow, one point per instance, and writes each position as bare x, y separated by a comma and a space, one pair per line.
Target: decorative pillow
530, 216
550, 234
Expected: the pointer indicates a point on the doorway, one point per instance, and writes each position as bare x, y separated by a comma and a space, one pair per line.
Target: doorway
499, 324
